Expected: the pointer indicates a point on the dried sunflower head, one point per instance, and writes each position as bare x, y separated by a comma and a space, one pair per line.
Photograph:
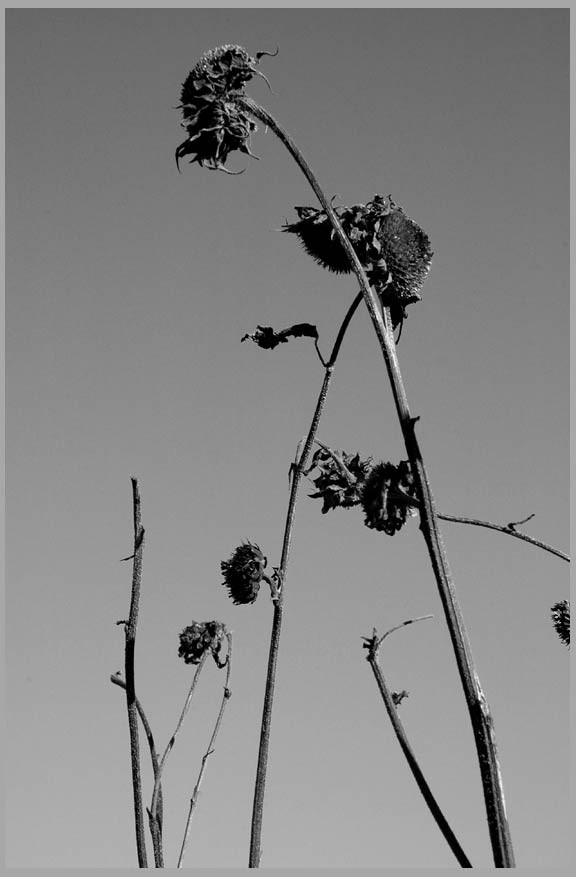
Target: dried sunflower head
336, 487
244, 572
393, 250
198, 637
215, 125
561, 620
382, 509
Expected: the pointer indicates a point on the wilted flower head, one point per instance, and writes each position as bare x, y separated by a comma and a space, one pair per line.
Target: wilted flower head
338, 485
393, 250
382, 508
244, 572
561, 620
215, 124
198, 637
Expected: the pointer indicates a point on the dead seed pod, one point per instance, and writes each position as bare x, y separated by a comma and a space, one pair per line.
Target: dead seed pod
384, 507
215, 125
244, 572
394, 251
198, 637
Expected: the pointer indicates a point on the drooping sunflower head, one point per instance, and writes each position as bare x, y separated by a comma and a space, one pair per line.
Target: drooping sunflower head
339, 486
243, 572
561, 620
384, 508
394, 251
215, 124
198, 638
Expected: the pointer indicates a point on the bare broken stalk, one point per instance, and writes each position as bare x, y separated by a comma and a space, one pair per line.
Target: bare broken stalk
130, 647
373, 645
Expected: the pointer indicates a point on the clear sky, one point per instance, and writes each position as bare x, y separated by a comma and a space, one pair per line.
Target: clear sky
129, 289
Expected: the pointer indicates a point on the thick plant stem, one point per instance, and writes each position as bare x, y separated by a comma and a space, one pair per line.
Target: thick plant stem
297, 470
373, 646
130, 633
480, 716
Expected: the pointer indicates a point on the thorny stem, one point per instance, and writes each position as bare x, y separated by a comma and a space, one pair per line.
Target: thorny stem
479, 711
373, 646
130, 647
116, 679
193, 800
155, 826
297, 470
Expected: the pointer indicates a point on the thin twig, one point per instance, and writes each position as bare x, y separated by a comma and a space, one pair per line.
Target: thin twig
373, 645
130, 647
479, 711
296, 472
193, 800
155, 826
117, 679
509, 530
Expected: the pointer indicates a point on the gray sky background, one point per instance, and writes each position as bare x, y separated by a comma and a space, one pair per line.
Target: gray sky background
129, 289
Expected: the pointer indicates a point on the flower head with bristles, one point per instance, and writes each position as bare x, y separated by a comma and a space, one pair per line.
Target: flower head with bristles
215, 125
561, 620
198, 638
394, 251
243, 572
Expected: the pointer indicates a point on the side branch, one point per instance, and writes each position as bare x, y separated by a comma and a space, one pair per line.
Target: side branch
116, 679
509, 530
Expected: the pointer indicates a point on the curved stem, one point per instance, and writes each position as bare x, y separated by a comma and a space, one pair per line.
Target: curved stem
373, 646
130, 648
193, 800
155, 826
480, 716
297, 470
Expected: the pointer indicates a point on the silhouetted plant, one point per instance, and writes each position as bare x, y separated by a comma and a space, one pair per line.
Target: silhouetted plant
390, 255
